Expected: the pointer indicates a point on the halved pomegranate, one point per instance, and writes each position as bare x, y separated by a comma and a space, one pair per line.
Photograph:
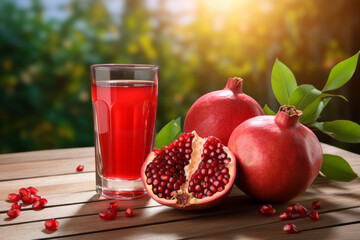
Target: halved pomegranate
190, 173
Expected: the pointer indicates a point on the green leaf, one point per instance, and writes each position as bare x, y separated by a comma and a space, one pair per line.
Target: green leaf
312, 112
268, 111
283, 82
341, 73
178, 121
303, 96
334, 95
168, 134
336, 168
341, 130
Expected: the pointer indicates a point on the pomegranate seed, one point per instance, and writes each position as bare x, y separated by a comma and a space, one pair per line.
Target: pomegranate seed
24, 192
285, 216
129, 212
43, 201
80, 168
314, 215
113, 205
39, 204
35, 197
292, 209
33, 190
267, 210
14, 197
302, 210
109, 215
16, 206
13, 213
27, 200
316, 205
51, 225
290, 228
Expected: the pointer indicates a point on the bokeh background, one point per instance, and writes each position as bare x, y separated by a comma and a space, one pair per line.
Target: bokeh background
46, 48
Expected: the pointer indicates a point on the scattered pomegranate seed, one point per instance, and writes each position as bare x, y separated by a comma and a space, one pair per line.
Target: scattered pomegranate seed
285, 216
24, 192
27, 199
35, 197
33, 190
51, 224
13, 213
290, 228
43, 201
16, 206
267, 210
129, 212
316, 205
39, 204
112, 205
109, 215
292, 209
302, 210
80, 168
314, 215
14, 197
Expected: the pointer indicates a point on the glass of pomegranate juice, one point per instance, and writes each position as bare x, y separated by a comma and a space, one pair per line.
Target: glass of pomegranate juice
124, 99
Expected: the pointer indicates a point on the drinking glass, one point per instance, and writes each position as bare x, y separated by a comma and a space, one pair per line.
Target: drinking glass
124, 100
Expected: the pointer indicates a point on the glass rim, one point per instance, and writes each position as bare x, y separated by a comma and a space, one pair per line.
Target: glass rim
125, 66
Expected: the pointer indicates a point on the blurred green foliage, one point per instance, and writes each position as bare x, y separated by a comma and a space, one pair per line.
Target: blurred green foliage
45, 56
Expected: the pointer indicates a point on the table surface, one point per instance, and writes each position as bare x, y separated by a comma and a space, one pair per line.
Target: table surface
74, 203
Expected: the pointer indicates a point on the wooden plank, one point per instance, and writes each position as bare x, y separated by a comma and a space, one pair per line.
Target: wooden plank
47, 155
22, 170
274, 230
351, 231
211, 226
78, 182
238, 209
352, 158
165, 223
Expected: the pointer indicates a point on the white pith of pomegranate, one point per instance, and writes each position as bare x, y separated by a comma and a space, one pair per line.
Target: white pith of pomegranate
190, 173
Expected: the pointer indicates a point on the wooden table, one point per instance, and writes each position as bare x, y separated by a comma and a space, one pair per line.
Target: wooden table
74, 203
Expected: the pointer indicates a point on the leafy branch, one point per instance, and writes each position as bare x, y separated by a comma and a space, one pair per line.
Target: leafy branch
312, 102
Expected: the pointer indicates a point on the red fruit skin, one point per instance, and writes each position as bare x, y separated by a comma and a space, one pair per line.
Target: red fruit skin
277, 157
218, 113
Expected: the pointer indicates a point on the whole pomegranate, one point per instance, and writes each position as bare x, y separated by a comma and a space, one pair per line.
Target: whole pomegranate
190, 173
218, 113
278, 158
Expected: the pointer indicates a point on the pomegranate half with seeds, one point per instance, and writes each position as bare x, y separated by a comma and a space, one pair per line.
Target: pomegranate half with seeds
190, 173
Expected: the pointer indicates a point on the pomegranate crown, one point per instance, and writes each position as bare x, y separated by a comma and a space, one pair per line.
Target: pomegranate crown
287, 116
234, 84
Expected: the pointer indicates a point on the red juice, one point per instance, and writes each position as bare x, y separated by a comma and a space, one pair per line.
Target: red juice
124, 119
